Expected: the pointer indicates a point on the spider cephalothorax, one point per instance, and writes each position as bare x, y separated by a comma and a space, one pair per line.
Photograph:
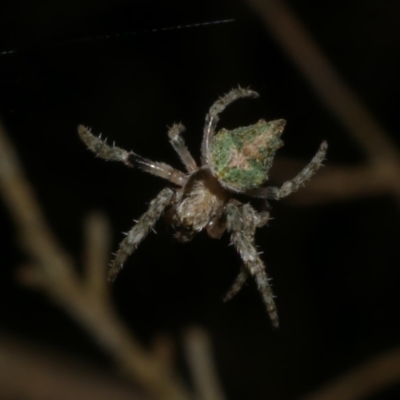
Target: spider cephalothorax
236, 161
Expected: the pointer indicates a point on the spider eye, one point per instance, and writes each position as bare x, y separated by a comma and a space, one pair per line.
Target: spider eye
241, 158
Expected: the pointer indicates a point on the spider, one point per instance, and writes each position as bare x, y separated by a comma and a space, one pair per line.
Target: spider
205, 197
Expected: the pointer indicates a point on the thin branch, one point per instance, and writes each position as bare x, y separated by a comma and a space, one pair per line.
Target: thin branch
97, 250
164, 349
334, 183
54, 271
364, 381
199, 356
29, 373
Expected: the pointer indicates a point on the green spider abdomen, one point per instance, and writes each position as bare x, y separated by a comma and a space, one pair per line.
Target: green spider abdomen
241, 158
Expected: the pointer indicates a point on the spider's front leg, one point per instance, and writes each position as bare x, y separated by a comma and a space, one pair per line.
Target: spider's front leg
139, 231
241, 222
129, 158
212, 117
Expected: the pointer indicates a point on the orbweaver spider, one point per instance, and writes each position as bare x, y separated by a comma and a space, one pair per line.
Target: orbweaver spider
235, 161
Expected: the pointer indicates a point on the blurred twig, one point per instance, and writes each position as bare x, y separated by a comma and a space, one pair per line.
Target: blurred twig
53, 271
199, 356
364, 381
97, 252
29, 373
383, 156
333, 183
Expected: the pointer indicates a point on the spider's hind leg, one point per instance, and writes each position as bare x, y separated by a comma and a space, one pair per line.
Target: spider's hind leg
294, 184
139, 231
241, 222
238, 284
305, 174
262, 219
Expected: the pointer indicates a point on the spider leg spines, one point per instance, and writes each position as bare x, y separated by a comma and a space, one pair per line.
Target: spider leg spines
229, 98
176, 130
212, 117
113, 153
294, 184
304, 175
260, 220
175, 138
237, 284
241, 224
100, 148
140, 230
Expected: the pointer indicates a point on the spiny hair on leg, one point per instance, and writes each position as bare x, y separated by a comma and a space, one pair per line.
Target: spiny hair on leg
240, 224
139, 231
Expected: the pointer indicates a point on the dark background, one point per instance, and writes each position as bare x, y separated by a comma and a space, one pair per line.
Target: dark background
335, 267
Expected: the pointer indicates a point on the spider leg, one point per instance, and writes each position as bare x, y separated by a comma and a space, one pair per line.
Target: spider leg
294, 184
212, 117
237, 284
129, 158
241, 222
261, 219
175, 138
139, 231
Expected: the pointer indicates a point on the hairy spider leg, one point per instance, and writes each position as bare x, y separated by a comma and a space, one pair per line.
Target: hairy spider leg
175, 138
129, 158
140, 230
212, 117
241, 221
159, 169
291, 186
238, 283
262, 219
